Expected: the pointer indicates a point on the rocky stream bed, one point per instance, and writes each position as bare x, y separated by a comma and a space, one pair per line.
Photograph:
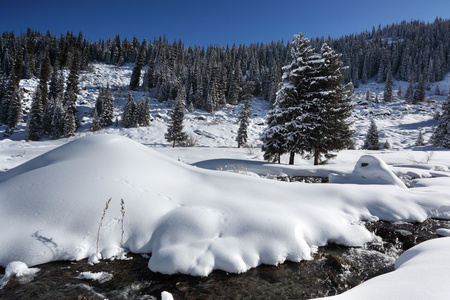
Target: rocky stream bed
333, 270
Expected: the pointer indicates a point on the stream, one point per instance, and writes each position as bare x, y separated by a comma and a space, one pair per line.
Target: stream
333, 270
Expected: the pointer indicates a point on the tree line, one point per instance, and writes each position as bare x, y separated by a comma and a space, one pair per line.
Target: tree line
209, 77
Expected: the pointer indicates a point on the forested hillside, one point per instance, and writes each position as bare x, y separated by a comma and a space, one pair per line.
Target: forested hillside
211, 76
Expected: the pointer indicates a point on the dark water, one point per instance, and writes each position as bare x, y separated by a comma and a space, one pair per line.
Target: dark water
334, 270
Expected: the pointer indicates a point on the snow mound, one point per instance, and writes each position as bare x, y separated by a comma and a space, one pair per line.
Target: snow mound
408, 281
369, 169
99, 276
19, 269
192, 220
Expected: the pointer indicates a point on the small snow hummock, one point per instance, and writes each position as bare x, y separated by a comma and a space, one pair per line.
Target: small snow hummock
99, 276
369, 169
18, 269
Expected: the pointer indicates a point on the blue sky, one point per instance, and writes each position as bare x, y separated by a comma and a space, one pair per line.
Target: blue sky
213, 22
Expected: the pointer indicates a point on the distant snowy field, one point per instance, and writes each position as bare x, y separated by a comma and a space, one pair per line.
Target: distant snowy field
215, 206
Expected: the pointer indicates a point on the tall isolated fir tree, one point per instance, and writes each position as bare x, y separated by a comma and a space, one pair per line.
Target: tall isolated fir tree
312, 106
175, 133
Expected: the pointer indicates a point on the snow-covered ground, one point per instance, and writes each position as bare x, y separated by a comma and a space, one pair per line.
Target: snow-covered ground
215, 206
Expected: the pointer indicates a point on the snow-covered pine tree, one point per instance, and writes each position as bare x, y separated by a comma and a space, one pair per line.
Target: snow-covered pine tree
35, 124
441, 136
245, 114
175, 133
12, 88
399, 92
372, 140
58, 119
323, 126
15, 112
107, 114
129, 112
283, 120
420, 141
70, 96
56, 85
368, 99
388, 86
437, 91
136, 73
420, 91
96, 122
144, 111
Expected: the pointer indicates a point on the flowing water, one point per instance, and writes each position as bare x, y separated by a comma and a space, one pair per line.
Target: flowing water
333, 270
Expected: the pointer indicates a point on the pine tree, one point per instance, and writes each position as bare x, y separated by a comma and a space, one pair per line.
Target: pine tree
441, 137
144, 112
420, 91
420, 141
388, 86
372, 141
35, 119
107, 114
288, 104
15, 112
96, 122
175, 133
312, 106
399, 92
437, 91
12, 89
245, 114
129, 113
136, 74
70, 96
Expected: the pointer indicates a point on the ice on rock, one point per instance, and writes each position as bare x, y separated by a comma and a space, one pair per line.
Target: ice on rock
369, 169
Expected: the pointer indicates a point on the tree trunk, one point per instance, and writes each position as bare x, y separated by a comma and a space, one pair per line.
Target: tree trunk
291, 158
316, 155
173, 146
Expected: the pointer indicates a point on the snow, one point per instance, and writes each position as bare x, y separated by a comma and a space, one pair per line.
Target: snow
420, 273
369, 169
194, 217
192, 220
18, 269
99, 276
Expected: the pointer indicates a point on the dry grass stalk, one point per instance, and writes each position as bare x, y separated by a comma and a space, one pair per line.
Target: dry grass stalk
101, 220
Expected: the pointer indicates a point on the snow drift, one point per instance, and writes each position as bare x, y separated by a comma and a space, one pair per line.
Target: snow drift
192, 220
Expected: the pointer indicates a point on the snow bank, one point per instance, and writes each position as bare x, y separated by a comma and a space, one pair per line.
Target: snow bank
421, 273
192, 220
369, 169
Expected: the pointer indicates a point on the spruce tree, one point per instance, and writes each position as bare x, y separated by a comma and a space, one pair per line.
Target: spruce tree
70, 96
388, 86
175, 133
136, 73
35, 118
420, 91
15, 112
245, 114
107, 115
441, 136
372, 140
420, 141
278, 138
324, 125
129, 113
